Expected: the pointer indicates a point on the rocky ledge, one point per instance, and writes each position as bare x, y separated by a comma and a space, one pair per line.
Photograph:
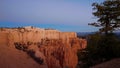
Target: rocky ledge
54, 52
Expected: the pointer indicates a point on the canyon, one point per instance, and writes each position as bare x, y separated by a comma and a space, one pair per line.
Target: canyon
46, 48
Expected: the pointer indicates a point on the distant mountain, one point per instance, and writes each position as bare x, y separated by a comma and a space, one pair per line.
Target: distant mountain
118, 34
84, 34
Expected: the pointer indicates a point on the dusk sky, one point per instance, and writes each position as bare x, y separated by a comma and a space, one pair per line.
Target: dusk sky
63, 15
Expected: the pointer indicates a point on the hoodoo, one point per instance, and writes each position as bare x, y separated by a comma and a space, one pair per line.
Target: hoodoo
49, 47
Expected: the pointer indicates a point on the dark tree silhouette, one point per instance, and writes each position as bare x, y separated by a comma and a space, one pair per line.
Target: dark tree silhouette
108, 14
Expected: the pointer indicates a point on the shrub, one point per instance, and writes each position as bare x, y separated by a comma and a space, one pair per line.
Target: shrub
100, 48
18, 45
31, 53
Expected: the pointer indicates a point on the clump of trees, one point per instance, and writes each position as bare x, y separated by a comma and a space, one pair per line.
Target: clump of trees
25, 47
100, 48
104, 45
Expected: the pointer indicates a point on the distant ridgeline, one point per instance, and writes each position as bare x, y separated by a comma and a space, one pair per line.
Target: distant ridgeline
29, 33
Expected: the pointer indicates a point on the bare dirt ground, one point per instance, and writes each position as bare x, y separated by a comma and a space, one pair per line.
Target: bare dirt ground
13, 58
114, 63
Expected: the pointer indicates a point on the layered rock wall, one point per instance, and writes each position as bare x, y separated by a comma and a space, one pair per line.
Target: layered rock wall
36, 34
57, 49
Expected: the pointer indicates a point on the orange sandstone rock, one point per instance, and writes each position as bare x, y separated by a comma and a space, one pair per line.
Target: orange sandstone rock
57, 49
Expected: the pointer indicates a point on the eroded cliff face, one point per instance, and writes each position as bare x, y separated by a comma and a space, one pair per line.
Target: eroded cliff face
50, 47
62, 55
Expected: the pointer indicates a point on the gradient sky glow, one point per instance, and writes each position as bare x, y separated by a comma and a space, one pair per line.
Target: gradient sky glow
64, 15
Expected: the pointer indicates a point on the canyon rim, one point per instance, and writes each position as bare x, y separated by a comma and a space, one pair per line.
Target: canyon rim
32, 47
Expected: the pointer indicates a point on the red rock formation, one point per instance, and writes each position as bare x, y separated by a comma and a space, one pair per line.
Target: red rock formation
56, 49
61, 55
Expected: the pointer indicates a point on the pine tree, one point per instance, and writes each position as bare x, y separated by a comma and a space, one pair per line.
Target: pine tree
108, 14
